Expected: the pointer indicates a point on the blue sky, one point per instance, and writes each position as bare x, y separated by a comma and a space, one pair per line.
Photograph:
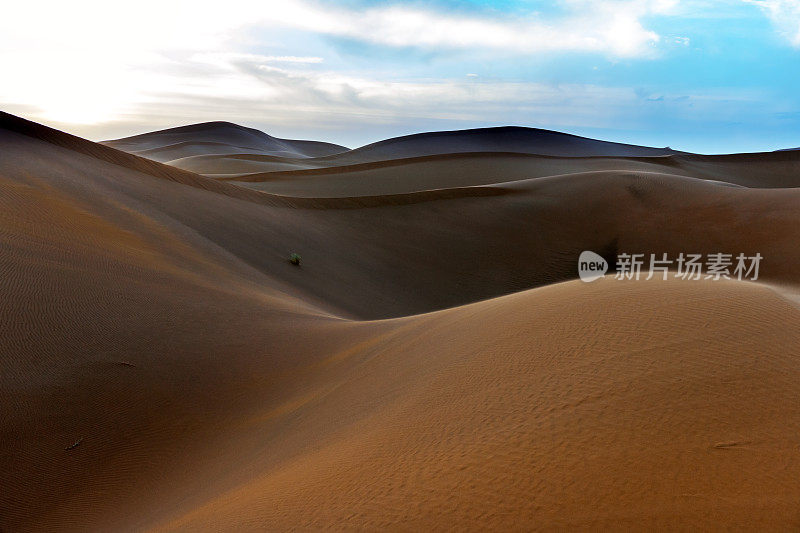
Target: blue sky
708, 76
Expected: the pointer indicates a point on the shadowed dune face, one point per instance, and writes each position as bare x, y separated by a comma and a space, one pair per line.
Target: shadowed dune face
470, 243
166, 368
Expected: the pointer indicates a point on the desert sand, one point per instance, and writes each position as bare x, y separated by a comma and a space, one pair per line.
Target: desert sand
432, 364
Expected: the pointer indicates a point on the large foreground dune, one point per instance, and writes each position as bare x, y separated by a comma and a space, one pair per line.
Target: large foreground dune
432, 364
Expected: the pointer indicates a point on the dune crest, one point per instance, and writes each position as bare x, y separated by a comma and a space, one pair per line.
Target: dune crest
218, 137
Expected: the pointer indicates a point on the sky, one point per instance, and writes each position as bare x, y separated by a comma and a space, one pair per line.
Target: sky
708, 76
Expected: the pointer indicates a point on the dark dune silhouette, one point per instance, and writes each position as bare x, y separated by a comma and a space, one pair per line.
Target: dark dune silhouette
218, 137
198, 147
503, 139
445, 159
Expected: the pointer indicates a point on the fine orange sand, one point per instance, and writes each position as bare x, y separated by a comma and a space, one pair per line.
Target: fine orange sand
432, 364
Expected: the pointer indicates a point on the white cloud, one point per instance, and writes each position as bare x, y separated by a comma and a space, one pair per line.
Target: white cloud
785, 15
351, 109
613, 28
292, 59
292, 99
86, 62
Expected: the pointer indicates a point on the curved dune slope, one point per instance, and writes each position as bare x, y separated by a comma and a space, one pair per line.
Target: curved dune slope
165, 368
469, 243
404, 175
566, 407
218, 137
238, 164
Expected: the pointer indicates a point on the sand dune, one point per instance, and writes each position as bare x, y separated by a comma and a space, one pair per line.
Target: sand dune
221, 148
218, 138
626, 422
431, 365
445, 159
238, 164
505, 139
404, 175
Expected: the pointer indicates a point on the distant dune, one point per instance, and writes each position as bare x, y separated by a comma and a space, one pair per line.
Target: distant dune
432, 364
438, 160
218, 138
234, 144
504, 139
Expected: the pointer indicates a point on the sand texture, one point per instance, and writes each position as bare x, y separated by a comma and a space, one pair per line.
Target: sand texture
432, 364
